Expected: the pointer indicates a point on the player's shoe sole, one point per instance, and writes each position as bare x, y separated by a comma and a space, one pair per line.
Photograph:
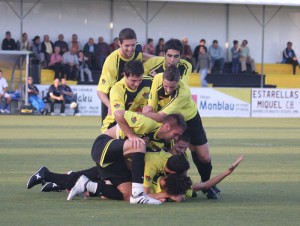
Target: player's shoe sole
79, 187
144, 199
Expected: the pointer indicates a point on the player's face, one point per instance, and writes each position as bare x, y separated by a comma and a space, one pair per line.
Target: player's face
169, 86
173, 133
133, 82
180, 147
172, 57
127, 48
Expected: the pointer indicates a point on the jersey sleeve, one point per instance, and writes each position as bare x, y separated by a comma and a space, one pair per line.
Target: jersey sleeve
150, 170
116, 97
153, 98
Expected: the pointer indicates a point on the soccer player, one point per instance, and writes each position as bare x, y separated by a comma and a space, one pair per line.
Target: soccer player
173, 50
113, 67
170, 95
130, 93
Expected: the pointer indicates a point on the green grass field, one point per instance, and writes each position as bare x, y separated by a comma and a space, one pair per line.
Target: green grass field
264, 189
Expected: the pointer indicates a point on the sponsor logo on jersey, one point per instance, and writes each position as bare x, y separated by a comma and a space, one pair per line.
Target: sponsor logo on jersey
148, 178
116, 106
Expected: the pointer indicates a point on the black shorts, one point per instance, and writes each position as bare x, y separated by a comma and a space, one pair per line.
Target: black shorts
196, 131
107, 150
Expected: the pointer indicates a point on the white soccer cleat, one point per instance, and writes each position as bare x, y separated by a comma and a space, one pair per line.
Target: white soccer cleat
144, 199
79, 187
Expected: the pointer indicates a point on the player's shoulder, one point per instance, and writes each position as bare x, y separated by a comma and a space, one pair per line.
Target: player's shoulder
154, 60
185, 63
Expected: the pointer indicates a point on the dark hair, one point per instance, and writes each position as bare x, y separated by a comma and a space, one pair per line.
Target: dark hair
202, 46
127, 33
35, 38
134, 68
176, 184
289, 43
203, 40
235, 42
175, 120
215, 41
185, 137
171, 74
175, 44
245, 41
178, 164
149, 40
160, 40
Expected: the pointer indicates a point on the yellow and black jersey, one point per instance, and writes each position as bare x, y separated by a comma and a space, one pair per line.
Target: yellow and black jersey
155, 163
180, 101
123, 98
113, 68
145, 128
157, 64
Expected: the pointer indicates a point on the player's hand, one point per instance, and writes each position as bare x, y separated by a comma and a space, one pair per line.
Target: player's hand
236, 163
147, 109
109, 111
136, 141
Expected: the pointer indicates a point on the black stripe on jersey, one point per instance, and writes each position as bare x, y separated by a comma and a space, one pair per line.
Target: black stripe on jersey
158, 68
182, 69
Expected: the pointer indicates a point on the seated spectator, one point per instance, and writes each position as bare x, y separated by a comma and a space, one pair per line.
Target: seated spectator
33, 97
159, 48
89, 51
55, 95
203, 65
235, 55
3, 94
75, 43
62, 44
149, 47
202, 42
114, 45
245, 58
47, 49
56, 63
37, 49
83, 67
8, 43
289, 57
23, 44
187, 51
69, 96
71, 64
217, 57
102, 51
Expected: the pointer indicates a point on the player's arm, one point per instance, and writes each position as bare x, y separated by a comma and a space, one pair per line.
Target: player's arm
156, 116
147, 56
116, 99
104, 99
135, 140
215, 180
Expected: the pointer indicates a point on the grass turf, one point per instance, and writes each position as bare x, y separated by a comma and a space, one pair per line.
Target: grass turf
264, 189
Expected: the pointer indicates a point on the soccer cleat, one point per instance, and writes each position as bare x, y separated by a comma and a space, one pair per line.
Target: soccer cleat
37, 178
79, 187
2, 111
216, 189
49, 186
6, 111
210, 194
52, 114
144, 199
77, 114
62, 114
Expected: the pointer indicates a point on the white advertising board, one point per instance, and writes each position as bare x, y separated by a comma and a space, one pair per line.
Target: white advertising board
89, 103
275, 103
222, 102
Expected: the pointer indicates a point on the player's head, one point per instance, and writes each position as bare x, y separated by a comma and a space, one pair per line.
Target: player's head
181, 144
173, 50
173, 126
176, 184
30, 80
133, 73
127, 39
177, 164
56, 82
171, 78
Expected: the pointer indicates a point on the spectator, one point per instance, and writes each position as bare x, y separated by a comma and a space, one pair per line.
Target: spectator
89, 51
3, 94
246, 58
289, 56
114, 45
69, 96
202, 42
71, 64
56, 63
83, 67
75, 43
33, 97
55, 95
203, 65
8, 43
159, 49
102, 51
62, 44
47, 49
23, 44
235, 55
187, 51
149, 47
217, 57
37, 49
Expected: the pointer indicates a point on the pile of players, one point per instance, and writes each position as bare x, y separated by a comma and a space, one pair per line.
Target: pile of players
150, 119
